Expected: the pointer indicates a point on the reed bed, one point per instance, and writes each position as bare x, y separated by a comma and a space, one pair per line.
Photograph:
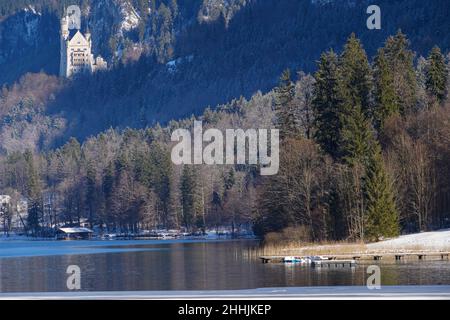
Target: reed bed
339, 248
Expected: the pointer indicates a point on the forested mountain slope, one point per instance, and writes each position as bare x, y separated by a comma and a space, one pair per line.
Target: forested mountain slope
171, 59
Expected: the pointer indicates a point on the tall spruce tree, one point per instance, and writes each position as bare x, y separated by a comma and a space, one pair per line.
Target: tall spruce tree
327, 102
188, 187
357, 74
285, 107
382, 214
33, 189
436, 75
386, 102
159, 168
356, 136
400, 60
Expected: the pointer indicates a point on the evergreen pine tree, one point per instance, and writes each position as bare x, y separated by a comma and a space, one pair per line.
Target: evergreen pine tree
35, 208
327, 102
400, 60
188, 187
356, 135
159, 168
357, 74
285, 107
436, 75
386, 102
382, 214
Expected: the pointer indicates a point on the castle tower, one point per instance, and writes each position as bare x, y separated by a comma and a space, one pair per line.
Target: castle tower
63, 51
76, 51
64, 28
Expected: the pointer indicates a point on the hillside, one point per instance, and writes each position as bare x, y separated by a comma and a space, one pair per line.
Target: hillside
173, 59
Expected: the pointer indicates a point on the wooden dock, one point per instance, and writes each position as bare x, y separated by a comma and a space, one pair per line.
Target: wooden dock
396, 256
333, 263
368, 256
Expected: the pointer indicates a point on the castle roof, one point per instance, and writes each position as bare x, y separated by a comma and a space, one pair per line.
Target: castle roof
77, 38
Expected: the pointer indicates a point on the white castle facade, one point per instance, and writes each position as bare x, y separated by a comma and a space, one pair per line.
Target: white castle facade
76, 51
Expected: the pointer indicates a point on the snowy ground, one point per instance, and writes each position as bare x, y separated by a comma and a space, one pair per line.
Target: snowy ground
418, 242
15, 237
435, 240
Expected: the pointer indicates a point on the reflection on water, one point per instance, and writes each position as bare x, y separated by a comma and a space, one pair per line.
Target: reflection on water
178, 265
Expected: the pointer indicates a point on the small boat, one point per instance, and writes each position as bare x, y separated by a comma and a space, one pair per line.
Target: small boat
291, 259
303, 260
108, 236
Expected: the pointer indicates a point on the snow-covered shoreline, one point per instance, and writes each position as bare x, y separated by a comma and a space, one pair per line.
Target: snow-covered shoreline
14, 237
433, 241
424, 241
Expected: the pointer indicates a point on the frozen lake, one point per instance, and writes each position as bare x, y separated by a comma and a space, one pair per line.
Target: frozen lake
40, 266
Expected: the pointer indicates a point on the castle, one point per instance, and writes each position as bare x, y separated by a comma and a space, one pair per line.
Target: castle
76, 50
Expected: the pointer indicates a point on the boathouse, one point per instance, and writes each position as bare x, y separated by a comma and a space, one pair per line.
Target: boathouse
74, 233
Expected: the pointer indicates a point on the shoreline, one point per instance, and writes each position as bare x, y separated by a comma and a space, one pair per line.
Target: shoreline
426, 242
435, 292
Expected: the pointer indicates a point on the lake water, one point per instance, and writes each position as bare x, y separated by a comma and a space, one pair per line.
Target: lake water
32, 266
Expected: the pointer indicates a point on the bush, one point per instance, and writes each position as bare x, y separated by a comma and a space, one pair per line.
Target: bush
288, 235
